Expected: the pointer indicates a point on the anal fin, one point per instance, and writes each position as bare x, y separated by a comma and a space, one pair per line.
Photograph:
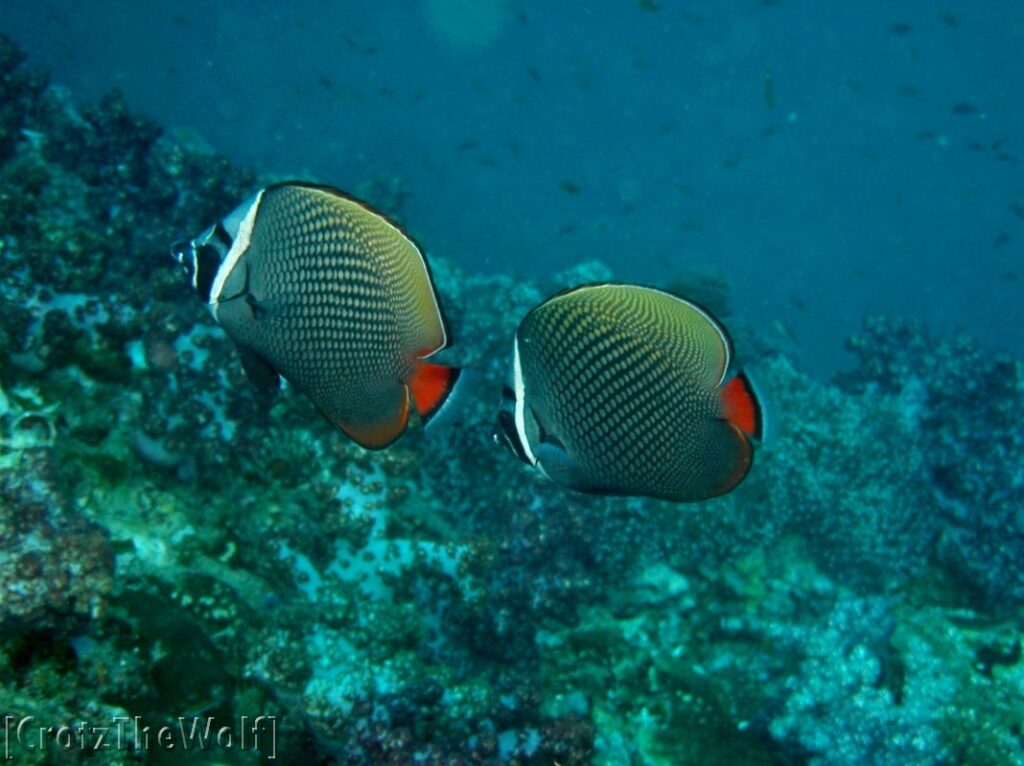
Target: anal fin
376, 434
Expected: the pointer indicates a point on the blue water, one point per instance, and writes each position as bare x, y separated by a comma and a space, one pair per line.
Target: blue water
529, 136
173, 545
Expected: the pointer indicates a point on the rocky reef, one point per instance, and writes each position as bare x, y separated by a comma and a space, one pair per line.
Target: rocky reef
172, 546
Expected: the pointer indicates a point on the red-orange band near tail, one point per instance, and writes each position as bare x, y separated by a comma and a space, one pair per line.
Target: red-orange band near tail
742, 408
431, 386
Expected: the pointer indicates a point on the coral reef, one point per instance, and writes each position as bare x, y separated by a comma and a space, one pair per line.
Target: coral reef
56, 566
967, 401
170, 545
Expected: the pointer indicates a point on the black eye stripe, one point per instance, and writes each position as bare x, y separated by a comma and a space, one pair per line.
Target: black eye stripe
207, 261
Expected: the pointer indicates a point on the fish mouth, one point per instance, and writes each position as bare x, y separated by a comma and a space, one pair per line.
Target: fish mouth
507, 436
183, 249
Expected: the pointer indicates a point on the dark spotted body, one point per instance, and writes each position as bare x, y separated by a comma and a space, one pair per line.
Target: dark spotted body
620, 390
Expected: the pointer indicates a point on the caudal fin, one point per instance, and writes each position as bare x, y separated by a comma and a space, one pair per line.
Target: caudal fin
742, 406
431, 386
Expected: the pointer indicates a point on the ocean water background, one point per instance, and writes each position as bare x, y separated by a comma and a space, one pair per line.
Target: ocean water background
171, 544
879, 172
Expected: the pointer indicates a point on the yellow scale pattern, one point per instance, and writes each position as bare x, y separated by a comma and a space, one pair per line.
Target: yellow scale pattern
626, 378
348, 301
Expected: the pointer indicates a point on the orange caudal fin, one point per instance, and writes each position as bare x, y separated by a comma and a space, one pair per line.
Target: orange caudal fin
431, 386
743, 407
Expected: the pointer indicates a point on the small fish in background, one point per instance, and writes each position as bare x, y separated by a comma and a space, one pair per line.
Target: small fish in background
1002, 240
900, 29
569, 187
622, 389
949, 19
964, 109
786, 331
768, 89
316, 287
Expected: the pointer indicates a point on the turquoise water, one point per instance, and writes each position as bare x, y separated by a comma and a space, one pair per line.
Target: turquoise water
191, 572
859, 189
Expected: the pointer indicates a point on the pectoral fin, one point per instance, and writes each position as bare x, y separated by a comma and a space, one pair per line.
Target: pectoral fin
269, 308
260, 373
559, 466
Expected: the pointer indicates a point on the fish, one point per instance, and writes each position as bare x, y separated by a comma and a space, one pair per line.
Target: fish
624, 389
768, 90
316, 287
